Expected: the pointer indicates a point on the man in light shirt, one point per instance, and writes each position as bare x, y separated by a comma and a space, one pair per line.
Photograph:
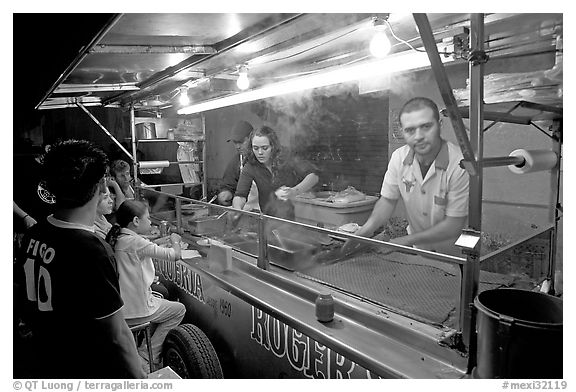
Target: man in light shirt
426, 175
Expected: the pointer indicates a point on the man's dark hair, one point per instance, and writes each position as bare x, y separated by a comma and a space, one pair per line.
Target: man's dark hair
73, 171
418, 103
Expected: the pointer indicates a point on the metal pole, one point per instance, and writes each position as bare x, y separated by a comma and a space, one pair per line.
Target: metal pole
104, 129
471, 269
555, 179
134, 149
262, 261
178, 207
204, 166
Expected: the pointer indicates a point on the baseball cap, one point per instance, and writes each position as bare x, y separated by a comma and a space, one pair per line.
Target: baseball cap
241, 131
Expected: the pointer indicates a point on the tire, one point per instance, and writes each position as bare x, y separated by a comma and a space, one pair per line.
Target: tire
188, 351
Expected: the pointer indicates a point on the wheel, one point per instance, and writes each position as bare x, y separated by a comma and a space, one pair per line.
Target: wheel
190, 354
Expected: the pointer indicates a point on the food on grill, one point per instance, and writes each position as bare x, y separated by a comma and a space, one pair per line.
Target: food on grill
349, 227
348, 195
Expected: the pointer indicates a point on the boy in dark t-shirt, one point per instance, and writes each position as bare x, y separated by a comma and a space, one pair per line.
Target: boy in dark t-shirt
67, 278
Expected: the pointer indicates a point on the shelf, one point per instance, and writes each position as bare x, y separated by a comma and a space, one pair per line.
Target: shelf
515, 112
163, 140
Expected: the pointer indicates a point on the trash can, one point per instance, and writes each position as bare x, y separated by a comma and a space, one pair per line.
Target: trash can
519, 334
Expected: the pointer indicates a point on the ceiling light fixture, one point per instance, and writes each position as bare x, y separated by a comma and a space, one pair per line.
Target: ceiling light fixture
184, 99
243, 82
379, 44
394, 63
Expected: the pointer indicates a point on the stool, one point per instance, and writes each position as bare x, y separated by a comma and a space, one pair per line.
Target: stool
135, 329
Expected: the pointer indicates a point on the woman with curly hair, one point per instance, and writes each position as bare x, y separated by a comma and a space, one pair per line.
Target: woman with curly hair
277, 178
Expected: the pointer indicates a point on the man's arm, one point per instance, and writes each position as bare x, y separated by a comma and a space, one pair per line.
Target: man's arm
27, 219
380, 214
229, 181
304, 186
231, 175
448, 228
117, 331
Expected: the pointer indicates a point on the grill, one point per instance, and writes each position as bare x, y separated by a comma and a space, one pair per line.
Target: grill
424, 289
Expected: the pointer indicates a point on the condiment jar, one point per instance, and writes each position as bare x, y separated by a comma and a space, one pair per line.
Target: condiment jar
325, 307
164, 228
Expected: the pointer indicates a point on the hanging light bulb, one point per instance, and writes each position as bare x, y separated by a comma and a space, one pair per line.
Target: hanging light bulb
379, 45
184, 100
243, 82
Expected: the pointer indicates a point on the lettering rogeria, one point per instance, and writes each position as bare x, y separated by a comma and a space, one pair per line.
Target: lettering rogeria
182, 276
306, 355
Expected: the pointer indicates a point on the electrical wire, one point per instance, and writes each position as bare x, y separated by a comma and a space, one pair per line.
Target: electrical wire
400, 39
463, 55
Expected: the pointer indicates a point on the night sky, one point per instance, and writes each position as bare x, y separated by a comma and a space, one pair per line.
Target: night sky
44, 46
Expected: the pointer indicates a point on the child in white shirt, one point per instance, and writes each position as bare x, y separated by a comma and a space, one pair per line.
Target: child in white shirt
134, 255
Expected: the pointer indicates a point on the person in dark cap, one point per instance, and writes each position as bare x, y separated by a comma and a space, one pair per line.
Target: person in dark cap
239, 137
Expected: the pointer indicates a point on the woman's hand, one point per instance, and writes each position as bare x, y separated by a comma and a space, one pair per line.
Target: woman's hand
284, 193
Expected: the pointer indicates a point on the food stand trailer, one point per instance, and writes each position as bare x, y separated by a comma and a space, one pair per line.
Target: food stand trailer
285, 303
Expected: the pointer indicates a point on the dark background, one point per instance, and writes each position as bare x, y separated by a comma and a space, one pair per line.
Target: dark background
44, 46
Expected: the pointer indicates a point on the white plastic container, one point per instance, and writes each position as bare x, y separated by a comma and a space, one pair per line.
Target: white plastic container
331, 215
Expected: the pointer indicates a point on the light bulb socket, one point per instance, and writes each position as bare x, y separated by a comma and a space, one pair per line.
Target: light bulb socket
243, 69
378, 21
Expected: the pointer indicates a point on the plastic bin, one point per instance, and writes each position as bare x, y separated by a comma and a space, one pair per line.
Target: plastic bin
331, 215
519, 334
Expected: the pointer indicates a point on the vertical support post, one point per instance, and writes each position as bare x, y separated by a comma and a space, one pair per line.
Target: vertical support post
204, 178
471, 150
262, 244
471, 270
178, 207
134, 149
134, 146
555, 184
